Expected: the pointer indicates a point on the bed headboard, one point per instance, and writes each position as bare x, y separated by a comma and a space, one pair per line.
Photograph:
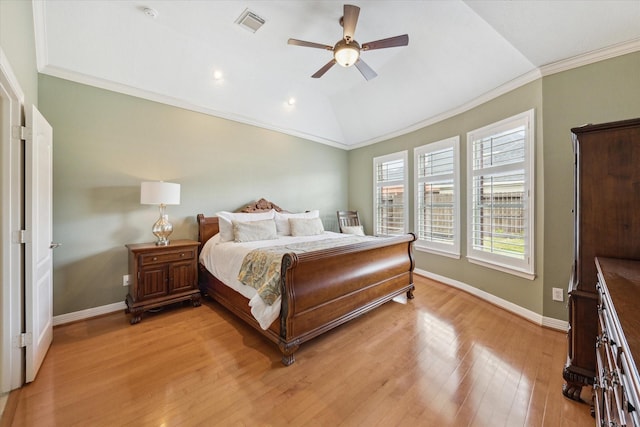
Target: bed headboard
207, 228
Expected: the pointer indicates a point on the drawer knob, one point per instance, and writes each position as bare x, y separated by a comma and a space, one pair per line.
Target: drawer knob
182, 254
155, 258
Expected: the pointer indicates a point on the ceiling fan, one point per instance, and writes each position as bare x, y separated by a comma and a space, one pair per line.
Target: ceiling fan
346, 51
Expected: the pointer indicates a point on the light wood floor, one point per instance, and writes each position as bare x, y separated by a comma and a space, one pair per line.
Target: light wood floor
445, 358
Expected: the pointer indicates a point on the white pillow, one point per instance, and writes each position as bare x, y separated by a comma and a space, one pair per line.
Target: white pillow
305, 226
353, 229
282, 220
225, 218
254, 230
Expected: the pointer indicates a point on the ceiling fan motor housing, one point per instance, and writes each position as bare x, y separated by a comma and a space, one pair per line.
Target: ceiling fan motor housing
346, 53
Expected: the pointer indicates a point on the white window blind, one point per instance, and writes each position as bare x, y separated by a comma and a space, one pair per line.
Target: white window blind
390, 183
499, 203
437, 218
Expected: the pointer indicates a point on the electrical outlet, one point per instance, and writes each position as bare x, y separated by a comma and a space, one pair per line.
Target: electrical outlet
126, 279
558, 294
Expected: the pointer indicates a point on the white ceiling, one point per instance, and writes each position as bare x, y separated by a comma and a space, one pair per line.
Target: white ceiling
459, 52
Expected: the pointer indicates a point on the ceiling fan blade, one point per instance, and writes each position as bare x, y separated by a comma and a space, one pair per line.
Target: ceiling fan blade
309, 44
366, 71
402, 40
349, 21
324, 69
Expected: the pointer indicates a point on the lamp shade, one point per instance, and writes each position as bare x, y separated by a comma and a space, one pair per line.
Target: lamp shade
159, 193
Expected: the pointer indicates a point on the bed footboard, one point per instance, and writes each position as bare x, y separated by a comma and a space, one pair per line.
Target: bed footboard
324, 289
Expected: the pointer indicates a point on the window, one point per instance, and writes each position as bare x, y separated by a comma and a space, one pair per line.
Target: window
389, 201
500, 195
437, 176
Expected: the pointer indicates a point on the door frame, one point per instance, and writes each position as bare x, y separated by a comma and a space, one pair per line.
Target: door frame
12, 254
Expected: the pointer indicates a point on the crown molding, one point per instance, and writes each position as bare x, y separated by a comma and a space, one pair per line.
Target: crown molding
591, 57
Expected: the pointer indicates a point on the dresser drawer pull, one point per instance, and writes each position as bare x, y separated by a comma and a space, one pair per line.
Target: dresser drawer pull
182, 255
155, 258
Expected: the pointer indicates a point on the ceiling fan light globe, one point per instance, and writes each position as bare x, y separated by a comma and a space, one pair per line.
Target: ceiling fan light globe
346, 54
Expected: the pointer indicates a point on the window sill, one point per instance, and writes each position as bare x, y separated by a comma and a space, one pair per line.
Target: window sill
437, 252
503, 268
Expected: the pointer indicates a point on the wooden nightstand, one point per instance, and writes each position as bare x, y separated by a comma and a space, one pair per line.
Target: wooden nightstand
162, 275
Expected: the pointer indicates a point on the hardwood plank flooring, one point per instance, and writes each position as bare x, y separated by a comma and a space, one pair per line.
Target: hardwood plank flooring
443, 359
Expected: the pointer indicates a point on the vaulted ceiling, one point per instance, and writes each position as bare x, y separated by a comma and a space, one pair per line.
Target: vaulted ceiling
195, 55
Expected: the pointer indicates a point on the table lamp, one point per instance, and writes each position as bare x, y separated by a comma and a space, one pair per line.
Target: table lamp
162, 194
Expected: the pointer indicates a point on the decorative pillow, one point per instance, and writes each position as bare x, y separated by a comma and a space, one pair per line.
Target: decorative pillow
282, 220
353, 229
254, 230
305, 226
225, 218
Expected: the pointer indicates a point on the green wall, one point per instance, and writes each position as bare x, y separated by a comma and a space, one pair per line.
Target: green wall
106, 143
598, 93
604, 91
523, 292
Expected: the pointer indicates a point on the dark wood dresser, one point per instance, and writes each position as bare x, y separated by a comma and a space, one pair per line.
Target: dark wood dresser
607, 224
616, 388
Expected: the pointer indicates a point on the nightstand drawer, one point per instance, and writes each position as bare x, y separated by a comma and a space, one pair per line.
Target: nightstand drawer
152, 258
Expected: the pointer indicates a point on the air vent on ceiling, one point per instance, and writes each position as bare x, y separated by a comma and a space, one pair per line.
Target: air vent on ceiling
250, 21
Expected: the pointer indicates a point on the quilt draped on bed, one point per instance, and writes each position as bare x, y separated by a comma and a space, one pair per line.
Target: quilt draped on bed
261, 267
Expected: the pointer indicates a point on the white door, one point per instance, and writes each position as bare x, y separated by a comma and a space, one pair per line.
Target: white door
39, 245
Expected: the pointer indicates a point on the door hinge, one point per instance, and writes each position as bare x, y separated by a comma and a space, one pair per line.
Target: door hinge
21, 132
23, 340
21, 236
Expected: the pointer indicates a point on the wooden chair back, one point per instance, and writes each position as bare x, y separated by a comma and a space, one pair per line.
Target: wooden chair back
348, 218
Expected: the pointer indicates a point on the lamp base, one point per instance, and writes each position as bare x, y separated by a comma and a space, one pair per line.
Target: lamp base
162, 229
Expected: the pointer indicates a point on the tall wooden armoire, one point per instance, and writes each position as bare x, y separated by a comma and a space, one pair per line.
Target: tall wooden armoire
607, 224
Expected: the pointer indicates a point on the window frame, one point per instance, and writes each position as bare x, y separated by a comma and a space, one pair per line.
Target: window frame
520, 267
400, 155
453, 143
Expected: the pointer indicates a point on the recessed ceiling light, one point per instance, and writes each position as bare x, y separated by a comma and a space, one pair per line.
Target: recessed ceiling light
217, 75
150, 12
291, 101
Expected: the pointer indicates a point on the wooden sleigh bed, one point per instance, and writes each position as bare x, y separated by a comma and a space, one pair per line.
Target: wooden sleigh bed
322, 289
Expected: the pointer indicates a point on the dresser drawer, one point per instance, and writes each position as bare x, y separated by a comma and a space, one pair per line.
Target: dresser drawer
615, 385
182, 255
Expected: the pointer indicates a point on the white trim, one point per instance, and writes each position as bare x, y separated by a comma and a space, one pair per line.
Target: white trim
591, 57
502, 267
11, 285
524, 267
507, 305
88, 313
533, 75
420, 248
7, 74
180, 103
528, 77
40, 29
399, 155
452, 143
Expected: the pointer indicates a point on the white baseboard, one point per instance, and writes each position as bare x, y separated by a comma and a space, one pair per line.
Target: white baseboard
536, 318
90, 312
507, 305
